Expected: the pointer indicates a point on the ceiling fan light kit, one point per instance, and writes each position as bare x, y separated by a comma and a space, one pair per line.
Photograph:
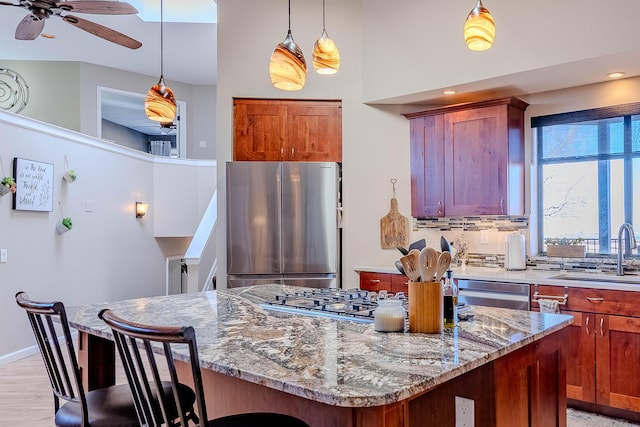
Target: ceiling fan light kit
32, 25
160, 103
325, 57
287, 67
479, 28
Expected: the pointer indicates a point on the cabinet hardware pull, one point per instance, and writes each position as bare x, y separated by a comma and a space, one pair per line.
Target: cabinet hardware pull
592, 299
601, 330
439, 207
292, 149
587, 325
374, 281
501, 205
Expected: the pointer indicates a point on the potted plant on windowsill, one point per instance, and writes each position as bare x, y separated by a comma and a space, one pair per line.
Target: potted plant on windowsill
64, 225
565, 247
8, 185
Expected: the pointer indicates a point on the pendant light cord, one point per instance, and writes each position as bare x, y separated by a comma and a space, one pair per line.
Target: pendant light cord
161, 41
323, 26
289, 15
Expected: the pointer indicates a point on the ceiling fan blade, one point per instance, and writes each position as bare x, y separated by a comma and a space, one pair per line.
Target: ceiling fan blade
98, 7
29, 28
103, 32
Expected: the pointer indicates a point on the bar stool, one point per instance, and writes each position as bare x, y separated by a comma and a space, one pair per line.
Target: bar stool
136, 343
105, 407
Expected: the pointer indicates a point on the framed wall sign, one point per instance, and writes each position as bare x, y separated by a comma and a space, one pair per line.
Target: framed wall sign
34, 185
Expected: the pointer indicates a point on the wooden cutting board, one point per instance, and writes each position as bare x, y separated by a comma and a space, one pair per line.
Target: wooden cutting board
394, 228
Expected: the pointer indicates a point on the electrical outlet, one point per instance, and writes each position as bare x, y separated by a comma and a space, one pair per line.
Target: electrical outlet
3, 255
464, 412
484, 237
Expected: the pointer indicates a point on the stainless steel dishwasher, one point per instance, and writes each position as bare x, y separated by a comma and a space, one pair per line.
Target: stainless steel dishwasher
494, 294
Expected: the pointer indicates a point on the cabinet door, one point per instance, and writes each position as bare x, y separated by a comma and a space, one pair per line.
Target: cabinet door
259, 130
618, 361
314, 132
427, 166
476, 153
581, 357
371, 281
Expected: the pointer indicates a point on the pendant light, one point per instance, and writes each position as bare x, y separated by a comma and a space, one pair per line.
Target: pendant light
479, 28
325, 58
287, 68
160, 104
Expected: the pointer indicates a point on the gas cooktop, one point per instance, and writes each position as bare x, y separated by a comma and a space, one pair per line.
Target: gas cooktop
352, 304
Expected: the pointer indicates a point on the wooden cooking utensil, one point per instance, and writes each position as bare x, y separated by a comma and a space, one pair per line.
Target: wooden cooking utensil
444, 260
410, 265
428, 262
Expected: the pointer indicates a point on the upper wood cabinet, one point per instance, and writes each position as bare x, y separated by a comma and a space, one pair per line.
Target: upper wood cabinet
287, 130
468, 159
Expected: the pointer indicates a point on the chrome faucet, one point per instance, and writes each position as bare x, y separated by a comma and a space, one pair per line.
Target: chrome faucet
631, 240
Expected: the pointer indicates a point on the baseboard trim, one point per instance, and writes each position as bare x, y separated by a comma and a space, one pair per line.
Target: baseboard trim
28, 351
17, 355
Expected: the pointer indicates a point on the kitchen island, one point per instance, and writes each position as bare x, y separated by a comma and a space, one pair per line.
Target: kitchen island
333, 372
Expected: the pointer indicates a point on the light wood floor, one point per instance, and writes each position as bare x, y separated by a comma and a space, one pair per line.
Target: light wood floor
26, 400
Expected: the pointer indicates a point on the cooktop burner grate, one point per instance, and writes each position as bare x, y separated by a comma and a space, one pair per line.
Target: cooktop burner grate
353, 304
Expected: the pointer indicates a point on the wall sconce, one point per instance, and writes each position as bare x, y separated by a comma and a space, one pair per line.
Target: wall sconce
141, 209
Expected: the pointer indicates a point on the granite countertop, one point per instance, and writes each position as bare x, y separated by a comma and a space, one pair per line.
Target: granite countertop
337, 362
534, 277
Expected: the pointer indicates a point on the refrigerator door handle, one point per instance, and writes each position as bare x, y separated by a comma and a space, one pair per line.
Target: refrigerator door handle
339, 209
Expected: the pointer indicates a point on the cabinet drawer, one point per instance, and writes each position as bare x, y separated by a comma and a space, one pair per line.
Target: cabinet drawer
623, 303
372, 281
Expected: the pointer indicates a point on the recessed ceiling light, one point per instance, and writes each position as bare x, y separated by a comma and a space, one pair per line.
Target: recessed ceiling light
48, 36
615, 75
449, 92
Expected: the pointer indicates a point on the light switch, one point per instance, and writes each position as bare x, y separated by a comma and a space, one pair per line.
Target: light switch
3, 255
89, 205
203, 144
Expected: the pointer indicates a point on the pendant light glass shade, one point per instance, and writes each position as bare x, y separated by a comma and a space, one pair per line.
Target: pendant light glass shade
325, 57
160, 104
287, 67
479, 28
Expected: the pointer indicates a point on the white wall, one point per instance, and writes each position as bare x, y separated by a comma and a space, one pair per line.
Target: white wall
417, 46
109, 254
65, 94
385, 54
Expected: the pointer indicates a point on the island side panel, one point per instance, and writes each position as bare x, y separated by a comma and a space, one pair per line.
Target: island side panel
96, 361
530, 384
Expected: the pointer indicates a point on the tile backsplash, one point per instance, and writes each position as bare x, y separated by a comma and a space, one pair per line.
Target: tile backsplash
489, 252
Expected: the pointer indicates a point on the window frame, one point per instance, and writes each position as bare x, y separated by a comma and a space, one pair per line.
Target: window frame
625, 111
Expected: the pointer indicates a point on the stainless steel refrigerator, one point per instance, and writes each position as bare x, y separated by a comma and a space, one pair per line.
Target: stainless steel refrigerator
283, 224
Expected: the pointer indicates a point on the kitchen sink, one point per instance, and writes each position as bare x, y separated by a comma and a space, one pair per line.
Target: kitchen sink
602, 278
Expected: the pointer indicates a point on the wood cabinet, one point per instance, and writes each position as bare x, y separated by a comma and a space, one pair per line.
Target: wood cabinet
287, 130
468, 159
603, 351
375, 282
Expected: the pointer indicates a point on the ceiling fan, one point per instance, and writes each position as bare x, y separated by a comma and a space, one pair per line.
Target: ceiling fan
39, 10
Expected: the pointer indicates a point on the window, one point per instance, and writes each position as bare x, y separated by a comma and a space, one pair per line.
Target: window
588, 167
